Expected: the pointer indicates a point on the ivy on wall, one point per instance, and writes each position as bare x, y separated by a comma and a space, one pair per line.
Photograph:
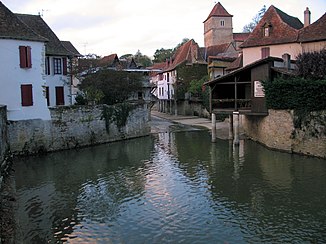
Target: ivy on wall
117, 114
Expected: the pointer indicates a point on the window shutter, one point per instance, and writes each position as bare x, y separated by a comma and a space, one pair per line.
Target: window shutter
27, 95
47, 66
265, 52
47, 95
22, 56
28, 57
64, 60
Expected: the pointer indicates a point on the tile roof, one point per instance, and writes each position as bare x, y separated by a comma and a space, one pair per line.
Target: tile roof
109, 60
284, 29
38, 25
240, 37
218, 11
68, 45
314, 32
216, 49
236, 64
189, 52
13, 28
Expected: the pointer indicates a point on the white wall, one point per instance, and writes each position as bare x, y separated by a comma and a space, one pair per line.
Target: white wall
167, 88
54, 80
12, 77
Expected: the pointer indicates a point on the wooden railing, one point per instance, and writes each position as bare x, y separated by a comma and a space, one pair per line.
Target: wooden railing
230, 104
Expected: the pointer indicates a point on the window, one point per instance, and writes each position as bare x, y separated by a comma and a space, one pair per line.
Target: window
47, 66
222, 22
266, 31
47, 95
25, 56
265, 52
57, 68
59, 95
27, 95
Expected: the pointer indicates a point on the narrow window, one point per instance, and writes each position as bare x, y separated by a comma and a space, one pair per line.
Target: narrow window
222, 22
265, 52
59, 95
47, 66
47, 95
27, 95
266, 31
57, 68
25, 56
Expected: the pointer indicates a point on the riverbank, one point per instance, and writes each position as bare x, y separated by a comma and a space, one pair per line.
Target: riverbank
222, 127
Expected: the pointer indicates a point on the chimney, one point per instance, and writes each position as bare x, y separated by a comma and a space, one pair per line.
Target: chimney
307, 17
286, 61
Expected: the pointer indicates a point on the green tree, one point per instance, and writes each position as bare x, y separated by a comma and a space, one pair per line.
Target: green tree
110, 87
162, 54
312, 65
251, 26
142, 60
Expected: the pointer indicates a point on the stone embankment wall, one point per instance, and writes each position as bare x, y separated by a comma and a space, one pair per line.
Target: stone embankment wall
73, 127
285, 131
4, 162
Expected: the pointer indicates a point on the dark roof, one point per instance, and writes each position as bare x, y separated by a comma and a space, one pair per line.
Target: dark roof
314, 32
13, 28
218, 11
68, 45
38, 25
236, 64
283, 29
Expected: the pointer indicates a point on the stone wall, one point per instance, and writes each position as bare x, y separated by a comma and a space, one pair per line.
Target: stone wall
283, 130
73, 127
4, 163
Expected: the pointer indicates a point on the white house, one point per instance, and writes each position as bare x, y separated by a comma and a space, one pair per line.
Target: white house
58, 59
22, 61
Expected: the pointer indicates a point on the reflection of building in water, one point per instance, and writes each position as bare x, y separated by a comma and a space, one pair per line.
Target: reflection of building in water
168, 141
238, 156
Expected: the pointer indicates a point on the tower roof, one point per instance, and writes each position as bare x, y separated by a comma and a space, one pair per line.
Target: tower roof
218, 11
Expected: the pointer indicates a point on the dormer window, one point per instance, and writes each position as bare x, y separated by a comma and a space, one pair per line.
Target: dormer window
267, 29
222, 22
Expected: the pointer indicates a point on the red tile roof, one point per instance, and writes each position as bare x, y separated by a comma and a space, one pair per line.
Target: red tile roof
236, 64
314, 32
240, 37
189, 52
218, 11
109, 60
216, 49
283, 29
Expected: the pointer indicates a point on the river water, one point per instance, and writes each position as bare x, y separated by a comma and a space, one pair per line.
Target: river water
174, 186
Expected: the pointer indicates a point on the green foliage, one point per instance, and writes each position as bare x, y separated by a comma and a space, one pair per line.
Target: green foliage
187, 74
81, 100
117, 114
296, 93
110, 87
162, 54
312, 65
142, 60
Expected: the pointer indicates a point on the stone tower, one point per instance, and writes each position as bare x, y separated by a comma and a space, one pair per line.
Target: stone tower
218, 27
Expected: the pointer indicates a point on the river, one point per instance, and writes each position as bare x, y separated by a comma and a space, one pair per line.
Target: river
174, 186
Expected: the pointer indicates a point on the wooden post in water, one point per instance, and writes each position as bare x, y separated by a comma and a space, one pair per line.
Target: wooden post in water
213, 127
236, 129
231, 127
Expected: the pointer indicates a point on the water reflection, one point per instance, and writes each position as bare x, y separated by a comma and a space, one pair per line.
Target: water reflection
172, 187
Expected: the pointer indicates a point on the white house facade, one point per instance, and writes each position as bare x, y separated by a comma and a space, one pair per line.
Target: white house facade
22, 65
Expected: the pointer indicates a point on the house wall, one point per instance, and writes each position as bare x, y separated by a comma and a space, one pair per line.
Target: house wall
277, 131
313, 46
253, 54
166, 85
12, 77
57, 80
73, 127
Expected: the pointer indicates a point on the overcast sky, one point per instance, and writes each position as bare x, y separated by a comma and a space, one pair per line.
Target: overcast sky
104, 27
